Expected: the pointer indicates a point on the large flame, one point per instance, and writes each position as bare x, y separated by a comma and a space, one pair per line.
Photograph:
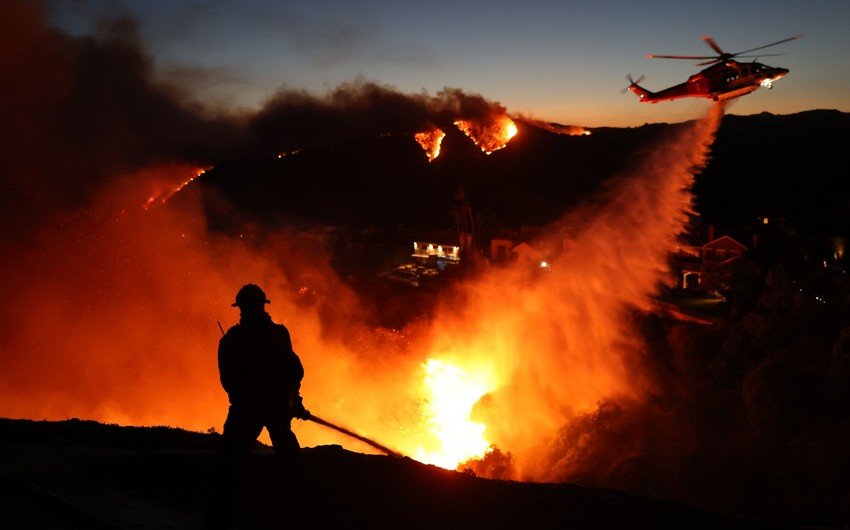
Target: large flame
489, 136
452, 392
430, 142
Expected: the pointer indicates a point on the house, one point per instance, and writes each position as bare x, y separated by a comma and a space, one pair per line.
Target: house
504, 251
691, 263
435, 254
525, 253
500, 250
721, 249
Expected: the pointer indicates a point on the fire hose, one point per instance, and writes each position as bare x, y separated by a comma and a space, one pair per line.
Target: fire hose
384, 449
315, 419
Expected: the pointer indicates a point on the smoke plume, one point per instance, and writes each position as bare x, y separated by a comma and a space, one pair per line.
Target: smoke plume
293, 119
81, 111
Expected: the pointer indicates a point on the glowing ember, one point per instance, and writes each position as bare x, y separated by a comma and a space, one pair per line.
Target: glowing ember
284, 154
491, 136
430, 142
162, 196
452, 394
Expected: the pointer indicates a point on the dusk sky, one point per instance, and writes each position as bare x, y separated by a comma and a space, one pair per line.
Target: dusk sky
562, 61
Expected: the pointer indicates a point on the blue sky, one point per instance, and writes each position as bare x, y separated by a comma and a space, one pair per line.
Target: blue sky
562, 61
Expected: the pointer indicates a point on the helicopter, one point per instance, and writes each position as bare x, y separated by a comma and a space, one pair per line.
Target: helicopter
724, 79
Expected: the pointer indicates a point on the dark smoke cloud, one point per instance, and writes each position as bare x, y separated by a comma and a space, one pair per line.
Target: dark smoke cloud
361, 109
78, 111
113, 308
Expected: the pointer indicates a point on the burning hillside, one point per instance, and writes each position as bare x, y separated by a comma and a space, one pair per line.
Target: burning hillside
430, 141
165, 190
491, 135
116, 281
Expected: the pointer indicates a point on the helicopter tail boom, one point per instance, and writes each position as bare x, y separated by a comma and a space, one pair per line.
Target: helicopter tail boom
643, 94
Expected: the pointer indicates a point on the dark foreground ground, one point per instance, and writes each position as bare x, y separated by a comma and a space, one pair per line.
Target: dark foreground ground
82, 474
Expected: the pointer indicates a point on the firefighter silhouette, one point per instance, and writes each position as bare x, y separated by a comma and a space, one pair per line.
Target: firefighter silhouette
262, 376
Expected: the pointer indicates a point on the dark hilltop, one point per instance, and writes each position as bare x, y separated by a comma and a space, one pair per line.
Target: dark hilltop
82, 474
789, 166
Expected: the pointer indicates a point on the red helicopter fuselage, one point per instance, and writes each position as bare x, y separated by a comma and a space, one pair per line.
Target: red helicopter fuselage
721, 81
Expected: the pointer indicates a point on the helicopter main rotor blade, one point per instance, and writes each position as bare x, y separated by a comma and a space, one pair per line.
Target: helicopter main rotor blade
713, 61
689, 57
795, 37
764, 55
708, 40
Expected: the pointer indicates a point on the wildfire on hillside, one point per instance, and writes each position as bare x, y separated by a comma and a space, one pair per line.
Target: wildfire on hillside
172, 172
291, 152
430, 142
489, 135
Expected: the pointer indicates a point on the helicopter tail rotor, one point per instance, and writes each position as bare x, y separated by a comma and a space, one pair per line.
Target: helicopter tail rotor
632, 82
642, 93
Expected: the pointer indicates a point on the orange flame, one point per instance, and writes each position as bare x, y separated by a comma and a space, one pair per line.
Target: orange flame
291, 152
161, 196
451, 394
490, 136
430, 142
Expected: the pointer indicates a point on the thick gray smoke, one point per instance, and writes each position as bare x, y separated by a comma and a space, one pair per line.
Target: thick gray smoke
80, 111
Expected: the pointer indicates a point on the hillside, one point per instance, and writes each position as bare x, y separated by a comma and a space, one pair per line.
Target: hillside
82, 474
789, 167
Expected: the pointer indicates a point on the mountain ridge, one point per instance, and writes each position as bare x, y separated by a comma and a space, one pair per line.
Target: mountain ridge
760, 165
